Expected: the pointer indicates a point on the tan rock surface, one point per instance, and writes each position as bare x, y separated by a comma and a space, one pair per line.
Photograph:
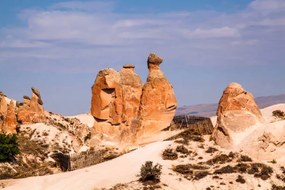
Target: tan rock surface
3, 111
158, 101
131, 93
115, 101
31, 110
3, 105
237, 115
106, 103
10, 123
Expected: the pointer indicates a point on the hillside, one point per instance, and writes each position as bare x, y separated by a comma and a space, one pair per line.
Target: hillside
189, 161
208, 110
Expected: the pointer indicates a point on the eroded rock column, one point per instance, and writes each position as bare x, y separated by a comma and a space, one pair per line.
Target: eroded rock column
158, 101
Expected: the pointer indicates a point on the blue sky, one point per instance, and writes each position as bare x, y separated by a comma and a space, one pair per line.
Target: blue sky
59, 46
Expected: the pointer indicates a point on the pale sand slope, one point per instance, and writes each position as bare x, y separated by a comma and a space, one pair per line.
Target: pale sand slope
120, 170
267, 112
86, 119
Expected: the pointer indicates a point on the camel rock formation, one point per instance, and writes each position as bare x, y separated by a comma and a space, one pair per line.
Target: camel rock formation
125, 109
237, 116
31, 110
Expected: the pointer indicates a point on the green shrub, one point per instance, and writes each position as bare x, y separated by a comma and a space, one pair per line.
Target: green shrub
150, 172
8, 147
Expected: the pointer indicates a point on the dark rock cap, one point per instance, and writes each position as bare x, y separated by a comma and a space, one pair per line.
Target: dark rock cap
126, 66
154, 59
36, 92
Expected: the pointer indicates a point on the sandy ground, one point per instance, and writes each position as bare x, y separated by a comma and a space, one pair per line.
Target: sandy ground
124, 169
121, 170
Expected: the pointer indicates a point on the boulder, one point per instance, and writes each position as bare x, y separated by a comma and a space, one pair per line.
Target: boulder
237, 116
158, 101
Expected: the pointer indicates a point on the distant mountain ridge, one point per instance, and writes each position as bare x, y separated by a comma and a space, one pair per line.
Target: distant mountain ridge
208, 110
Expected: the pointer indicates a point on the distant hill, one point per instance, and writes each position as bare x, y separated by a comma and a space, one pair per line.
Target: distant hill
208, 110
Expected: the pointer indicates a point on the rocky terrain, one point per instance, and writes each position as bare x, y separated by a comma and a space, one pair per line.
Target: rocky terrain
189, 161
131, 124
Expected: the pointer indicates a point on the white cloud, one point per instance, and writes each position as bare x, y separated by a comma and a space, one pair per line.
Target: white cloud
223, 32
71, 32
268, 5
101, 6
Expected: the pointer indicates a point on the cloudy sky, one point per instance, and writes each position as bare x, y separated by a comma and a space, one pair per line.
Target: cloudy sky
59, 46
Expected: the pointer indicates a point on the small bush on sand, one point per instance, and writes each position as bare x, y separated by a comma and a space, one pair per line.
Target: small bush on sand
150, 172
169, 154
278, 114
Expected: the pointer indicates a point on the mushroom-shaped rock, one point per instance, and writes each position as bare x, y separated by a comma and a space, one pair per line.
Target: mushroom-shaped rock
237, 116
158, 101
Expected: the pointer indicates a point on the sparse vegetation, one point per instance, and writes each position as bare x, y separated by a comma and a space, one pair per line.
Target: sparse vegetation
169, 154
182, 149
220, 159
149, 172
9, 147
276, 187
244, 158
240, 179
278, 114
211, 150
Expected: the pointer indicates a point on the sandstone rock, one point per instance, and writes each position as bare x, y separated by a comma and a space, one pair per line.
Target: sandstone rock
31, 110
106, 103
3, 106
10, 123
115, 101
158, 101
131, 93
237, 116
124, 109
3, 111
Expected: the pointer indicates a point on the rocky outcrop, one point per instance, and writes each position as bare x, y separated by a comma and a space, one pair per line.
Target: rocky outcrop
132, 90
31, 109
115, 100
10, 122
3, 110
237, 116
158, 101
124, 109
8, 119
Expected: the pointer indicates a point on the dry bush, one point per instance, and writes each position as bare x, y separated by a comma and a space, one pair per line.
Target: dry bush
278, 114
149, 172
